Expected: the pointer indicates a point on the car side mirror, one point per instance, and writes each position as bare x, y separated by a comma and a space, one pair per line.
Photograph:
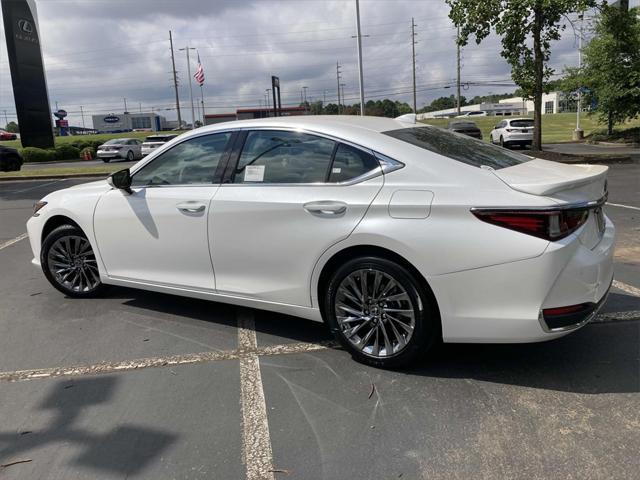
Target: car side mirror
121, 180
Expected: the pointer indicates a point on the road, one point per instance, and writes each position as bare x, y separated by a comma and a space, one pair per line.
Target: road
145, 385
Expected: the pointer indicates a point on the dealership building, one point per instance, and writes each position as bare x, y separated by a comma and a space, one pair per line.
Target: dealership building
126, 122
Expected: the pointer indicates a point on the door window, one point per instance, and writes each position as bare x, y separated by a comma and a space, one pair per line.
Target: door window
350, 162
191, 162
272, 156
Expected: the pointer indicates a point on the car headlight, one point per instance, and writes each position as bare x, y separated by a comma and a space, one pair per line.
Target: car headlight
37, 207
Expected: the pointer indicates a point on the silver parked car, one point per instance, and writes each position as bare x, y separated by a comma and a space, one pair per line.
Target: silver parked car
125, 148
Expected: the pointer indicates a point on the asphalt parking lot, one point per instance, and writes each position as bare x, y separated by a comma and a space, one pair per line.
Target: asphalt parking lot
145, 385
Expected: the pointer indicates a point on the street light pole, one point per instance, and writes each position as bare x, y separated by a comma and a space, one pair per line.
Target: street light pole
359, 36
193, 112
579, 133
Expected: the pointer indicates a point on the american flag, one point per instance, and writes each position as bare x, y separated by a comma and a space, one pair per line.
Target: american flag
199, 75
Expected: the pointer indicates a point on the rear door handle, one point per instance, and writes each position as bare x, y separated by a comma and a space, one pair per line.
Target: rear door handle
191, 207
326, 208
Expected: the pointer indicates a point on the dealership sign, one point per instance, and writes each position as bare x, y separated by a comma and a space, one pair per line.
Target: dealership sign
111, 119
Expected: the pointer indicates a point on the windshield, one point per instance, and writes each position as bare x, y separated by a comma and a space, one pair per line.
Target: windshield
116, 141
521, 123
458, 147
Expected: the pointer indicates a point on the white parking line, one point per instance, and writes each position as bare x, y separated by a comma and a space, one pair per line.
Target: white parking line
623, 206
256, 441
13, 240
156, 362
39, 186
631, 290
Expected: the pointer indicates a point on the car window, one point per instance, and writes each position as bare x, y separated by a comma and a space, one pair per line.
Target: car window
522, 123
350, 162
193, 161
273, 156
460, 148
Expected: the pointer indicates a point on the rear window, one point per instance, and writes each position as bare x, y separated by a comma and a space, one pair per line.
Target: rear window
160, 138
521, 123
458, 147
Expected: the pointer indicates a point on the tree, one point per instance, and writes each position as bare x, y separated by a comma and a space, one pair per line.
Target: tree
610, 74
526, 28
12, 127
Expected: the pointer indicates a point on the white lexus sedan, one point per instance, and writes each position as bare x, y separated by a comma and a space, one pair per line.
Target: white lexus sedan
395, 234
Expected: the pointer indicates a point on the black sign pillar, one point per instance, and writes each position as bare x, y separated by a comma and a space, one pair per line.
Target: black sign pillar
27, 73
277, 106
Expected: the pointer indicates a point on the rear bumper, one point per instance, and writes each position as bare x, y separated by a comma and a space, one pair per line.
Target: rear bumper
503, 303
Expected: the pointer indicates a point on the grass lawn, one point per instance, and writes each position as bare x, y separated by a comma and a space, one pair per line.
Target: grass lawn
555, 128
103, 137
106, 169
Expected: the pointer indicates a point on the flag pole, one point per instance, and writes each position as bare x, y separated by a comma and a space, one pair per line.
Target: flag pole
202, 102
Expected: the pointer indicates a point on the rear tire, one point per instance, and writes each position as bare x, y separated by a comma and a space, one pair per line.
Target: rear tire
106, 160
69, 262
393, 323
130, 156
502, 142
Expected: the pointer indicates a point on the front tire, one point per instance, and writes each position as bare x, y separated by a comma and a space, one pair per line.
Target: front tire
69, 263
130, 156
380, 312
106, 160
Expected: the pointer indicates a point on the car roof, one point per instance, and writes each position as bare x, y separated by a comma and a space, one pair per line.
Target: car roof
355, 128
522, 118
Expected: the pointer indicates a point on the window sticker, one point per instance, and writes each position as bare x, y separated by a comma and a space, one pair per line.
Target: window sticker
254, 173
336, 170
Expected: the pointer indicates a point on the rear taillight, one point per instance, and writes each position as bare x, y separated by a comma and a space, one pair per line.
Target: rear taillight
511, 130
547, 224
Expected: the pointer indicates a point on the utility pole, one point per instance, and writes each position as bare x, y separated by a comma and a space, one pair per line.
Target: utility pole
359, 34
268, 94
413, 57
81, 113
6, 119
193, 111
140, 104
304, 89
458, 71
338, 82
125, 105
175, 81
579, 133
342, 85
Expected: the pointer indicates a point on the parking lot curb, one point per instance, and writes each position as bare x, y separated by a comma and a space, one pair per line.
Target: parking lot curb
55, 176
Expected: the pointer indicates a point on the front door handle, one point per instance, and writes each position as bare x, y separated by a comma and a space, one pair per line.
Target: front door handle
326, 208
191, 207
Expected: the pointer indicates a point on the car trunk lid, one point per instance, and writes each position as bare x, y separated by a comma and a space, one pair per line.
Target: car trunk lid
567, 185
546, 178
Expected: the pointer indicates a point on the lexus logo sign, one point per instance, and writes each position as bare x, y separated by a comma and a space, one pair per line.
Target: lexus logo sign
25, 26
111, 119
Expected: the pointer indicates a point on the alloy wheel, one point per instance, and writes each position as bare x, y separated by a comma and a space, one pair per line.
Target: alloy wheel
375, 313
73, 264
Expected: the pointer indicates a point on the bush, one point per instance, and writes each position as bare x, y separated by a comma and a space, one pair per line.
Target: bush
91, 150
67, 152
33, 154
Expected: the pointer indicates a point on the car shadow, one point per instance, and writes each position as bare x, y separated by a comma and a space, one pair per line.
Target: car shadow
124, 450
599, 358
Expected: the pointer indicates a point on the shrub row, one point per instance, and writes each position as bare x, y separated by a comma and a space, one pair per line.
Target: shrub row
61, 152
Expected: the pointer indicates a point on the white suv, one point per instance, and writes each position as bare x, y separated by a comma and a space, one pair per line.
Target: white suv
515, 131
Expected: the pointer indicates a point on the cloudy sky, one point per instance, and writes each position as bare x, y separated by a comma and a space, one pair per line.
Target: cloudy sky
98, 52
